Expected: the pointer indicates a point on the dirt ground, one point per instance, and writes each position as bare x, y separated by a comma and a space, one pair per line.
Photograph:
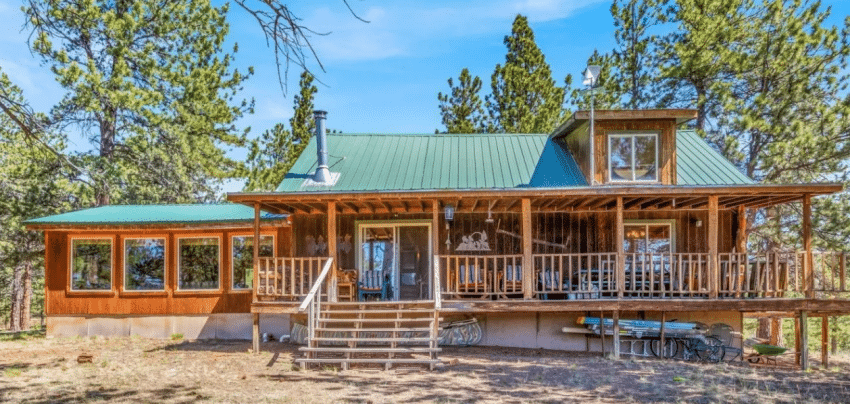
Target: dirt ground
40, 370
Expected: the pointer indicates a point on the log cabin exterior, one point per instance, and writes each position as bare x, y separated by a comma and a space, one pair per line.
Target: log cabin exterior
517, 231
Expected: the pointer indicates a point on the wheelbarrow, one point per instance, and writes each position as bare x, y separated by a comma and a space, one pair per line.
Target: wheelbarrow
765, 353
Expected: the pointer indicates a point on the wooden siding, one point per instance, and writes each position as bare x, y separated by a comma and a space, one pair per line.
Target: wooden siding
61, 301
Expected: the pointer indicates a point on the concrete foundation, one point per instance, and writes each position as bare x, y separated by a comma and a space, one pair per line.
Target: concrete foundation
213, 326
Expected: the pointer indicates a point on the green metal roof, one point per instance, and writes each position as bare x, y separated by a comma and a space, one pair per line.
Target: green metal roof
699, 164
373, 162
156, 214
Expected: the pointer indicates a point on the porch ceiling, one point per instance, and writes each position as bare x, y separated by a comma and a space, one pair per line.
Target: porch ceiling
542, 200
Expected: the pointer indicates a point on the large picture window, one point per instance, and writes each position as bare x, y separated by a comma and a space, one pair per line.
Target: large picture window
91, 264
243, 258
633, 158
199, 263
144, 264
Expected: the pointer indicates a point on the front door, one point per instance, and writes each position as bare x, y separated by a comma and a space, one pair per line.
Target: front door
395, 256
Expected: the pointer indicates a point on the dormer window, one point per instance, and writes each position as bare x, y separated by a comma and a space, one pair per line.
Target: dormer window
633, 157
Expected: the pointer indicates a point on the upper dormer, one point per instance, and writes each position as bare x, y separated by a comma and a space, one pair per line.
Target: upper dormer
629, 146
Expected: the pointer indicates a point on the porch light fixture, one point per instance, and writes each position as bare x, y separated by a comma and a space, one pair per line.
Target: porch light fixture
449, 211
591, 76
490, 213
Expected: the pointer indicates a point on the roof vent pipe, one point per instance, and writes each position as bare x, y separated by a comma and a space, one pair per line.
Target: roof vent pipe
323, 174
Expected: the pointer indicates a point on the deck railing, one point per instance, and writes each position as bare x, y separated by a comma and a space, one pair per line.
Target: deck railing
288, 278
767, 274
575, 276
481, 276
829, 277
666, 275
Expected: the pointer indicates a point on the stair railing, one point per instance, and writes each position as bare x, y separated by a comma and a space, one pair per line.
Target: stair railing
313, 304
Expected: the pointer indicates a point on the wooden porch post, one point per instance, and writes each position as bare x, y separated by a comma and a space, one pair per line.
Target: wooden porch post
661, 336
527, 260
435, 243
797, 337
804, 340
332, 251
602, 331
621, 253
616, 318
741, 241
714, 270
824, 342
255, 334
808, 273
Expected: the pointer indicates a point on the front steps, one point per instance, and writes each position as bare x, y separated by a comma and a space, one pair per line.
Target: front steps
374, 333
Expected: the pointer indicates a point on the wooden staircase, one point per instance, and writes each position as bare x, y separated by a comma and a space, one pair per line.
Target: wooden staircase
374, 333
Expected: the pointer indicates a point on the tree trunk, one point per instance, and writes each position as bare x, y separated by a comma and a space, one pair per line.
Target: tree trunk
776, 331
15, 309
26, 298
763, 331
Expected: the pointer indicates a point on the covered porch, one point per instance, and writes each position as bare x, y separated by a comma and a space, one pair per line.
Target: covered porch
503, 246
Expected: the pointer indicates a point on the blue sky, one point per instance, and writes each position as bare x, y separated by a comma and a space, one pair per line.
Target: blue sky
382, 76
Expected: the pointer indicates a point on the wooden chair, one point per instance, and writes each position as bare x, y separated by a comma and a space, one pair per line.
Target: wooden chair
511, 280
346, 285
375, 283
472, 280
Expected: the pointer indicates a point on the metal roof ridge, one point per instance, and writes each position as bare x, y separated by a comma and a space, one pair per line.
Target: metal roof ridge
437, 134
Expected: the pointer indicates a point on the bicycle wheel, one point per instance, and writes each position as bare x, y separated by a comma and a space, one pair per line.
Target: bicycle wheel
671, 348
710, 350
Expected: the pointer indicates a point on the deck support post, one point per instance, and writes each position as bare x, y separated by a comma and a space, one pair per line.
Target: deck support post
804, 340
255, 334
621, 255
527, 260
808, 277
616, 318
824, 342
713, 267
332, 251
797, 337
661, 336
435, 244
602, 331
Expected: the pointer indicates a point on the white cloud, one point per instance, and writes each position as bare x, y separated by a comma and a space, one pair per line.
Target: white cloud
402, 28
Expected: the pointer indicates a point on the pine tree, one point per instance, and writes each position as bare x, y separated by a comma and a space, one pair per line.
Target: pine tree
149, 83
524, 98
633, 20
462, 110
272, 155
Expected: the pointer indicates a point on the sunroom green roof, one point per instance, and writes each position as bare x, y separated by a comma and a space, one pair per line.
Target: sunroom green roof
156, 214
373, 162
699, 164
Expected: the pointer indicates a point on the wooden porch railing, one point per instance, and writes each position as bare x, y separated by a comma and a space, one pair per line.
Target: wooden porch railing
481, 276
666, 275
767, 274
829, 275
575, 276
288, 278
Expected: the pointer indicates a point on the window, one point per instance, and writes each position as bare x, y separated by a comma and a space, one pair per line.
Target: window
198, 266
633, 158
91, 264
144, 264
243, 258
648, 238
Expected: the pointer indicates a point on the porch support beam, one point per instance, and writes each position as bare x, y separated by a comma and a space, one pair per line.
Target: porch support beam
662, 335
804, 340
824, 342
616, 318
714, 272
741, 239
255, 329
332, 252
527, 261
808, 276
621, 252
435, 241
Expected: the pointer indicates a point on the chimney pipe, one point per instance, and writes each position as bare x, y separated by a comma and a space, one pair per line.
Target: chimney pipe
323, 174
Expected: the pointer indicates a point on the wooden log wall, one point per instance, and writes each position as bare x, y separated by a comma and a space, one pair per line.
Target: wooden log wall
61, 301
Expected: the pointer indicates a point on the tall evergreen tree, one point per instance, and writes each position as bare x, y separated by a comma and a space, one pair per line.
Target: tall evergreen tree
462, 110
149, 83
272, 155
524, 98
633, 20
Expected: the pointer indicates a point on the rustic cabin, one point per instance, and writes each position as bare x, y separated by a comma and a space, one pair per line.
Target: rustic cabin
381, 248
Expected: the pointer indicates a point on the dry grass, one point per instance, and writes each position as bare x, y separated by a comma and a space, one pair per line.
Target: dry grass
38, 370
